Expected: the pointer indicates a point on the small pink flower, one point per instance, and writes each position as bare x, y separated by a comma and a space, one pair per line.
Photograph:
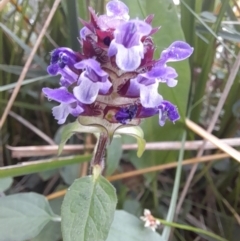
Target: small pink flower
149, 220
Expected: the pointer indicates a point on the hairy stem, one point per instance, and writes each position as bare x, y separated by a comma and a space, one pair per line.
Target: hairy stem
99, 155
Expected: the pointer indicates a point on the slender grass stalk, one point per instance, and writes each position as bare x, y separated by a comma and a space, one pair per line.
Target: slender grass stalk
42, 165
190, 228
172, 207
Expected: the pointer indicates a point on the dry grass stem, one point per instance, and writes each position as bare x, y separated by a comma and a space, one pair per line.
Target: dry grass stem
151, 169
30, 151
213, 139
28, 63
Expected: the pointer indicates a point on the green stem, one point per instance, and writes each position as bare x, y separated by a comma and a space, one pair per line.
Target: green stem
42, 165
190, 228
171, 211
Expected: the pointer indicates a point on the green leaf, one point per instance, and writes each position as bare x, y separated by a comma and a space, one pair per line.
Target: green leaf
25, 214
52, 230
70, 173
133, 207
75, 127
136, 132
73, 23
88, 209
128, 228
27, 82
15, 69
5, 183
114, 154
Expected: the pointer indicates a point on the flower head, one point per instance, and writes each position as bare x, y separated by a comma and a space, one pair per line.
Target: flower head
149, 220
115, 77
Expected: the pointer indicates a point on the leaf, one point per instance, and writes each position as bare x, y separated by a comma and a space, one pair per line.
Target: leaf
5, 183
114, 154
136, 132
128, 228
69, 129
70, 173
133, 207
170, 31
27, 82
15, 69
52, 230
25, 214
88, 209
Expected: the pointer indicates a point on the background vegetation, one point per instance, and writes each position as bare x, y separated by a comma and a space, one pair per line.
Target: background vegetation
204, 194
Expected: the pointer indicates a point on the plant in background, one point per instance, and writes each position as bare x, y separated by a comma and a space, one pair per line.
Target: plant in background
110, 86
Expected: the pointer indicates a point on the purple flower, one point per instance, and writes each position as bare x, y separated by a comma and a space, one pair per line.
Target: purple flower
117, 9
60, 58
126, 114
92, 81
116, 14
115, 76
127, 45
68, 103
146, 85
177, 51
166, 111
62, 62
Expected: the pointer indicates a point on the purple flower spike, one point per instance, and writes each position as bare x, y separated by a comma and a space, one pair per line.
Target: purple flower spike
177, 51
68, 103
92, 81
117, 8
127, 45
115, 76
167, 111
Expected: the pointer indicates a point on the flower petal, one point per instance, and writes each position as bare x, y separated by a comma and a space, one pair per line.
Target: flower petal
117, 8
84, 32
86, 92
147, 112
64, 56
130, 33
68, 77
177, 51
172, 82
149, 96
75, 110
104, 87
167, 111
127, 45
93, 70
165, 74
128, 59
60, 95
61, 112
